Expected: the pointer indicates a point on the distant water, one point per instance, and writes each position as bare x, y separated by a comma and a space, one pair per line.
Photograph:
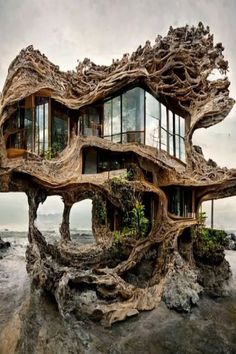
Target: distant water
51, 236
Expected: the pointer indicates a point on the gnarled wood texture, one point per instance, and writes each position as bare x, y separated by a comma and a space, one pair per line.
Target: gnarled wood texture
112, 280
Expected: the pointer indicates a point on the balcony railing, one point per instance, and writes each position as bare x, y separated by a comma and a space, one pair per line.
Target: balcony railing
127, 137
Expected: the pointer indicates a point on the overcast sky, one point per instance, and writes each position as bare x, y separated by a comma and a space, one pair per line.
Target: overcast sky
67, 30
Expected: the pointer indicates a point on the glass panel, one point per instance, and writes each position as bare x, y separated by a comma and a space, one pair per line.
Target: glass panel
152, 132
133, 111
182, 126
94, 121
152, 106
171, 122
163, 116
171, 144
28, 119
163, 139
116, 116
107, 118
41, 124
177, 146
176, 124
116, 138
182, 149
89, 121
60, 127
152, 121
59, 133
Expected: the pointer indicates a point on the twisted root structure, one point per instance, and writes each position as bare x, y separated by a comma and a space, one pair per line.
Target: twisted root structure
111, 280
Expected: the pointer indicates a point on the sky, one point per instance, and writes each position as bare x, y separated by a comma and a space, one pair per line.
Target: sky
68, 30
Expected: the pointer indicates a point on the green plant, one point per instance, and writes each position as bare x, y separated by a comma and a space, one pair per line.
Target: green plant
99, 209
202, 219
124, 190
117, 236
139, 222
130, 175
207, 239
47, 154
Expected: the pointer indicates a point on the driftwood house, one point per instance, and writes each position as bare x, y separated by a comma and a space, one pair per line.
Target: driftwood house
120, 135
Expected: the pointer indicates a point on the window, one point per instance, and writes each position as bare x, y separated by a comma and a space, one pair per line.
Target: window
164, 129
107, 119
90, 122
124, 117
112, 120
133, 116
152, 133
116, 120
60, 127
41, 125
137, 116
179, 201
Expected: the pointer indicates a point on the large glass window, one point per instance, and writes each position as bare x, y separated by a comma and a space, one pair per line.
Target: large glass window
19, 126
27, 116
164, 129
107, 119
41, 124
60, 122
116, 120
179, 201
112, 119
171, 136
90, 122
137, 116
152, 134
133, 115
124, 117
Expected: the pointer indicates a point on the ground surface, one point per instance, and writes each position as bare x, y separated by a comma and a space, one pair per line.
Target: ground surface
31, 324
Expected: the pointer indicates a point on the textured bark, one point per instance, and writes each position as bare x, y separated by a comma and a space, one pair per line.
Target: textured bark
102, 281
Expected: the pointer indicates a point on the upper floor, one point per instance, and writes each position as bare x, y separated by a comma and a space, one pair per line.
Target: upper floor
44, 126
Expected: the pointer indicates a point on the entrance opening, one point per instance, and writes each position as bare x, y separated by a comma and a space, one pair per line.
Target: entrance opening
81, 222
49, 218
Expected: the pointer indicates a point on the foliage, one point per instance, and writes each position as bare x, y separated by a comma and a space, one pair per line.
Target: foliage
130, 174
135, 223
117, 236
207, 239
139, 222
212, 239
52, 152
202, 219
99, 209
47, 154
124, 190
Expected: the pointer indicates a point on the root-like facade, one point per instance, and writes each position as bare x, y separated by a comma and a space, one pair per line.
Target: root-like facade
116, 278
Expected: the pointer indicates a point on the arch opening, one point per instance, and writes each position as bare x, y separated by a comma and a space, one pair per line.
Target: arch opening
81, 222
49, 218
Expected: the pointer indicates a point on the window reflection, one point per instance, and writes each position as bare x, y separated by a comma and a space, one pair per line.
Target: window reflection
124, 122
133, 115
137, 116
90, 121
41, 125
179, 201
60, 122
152, 121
